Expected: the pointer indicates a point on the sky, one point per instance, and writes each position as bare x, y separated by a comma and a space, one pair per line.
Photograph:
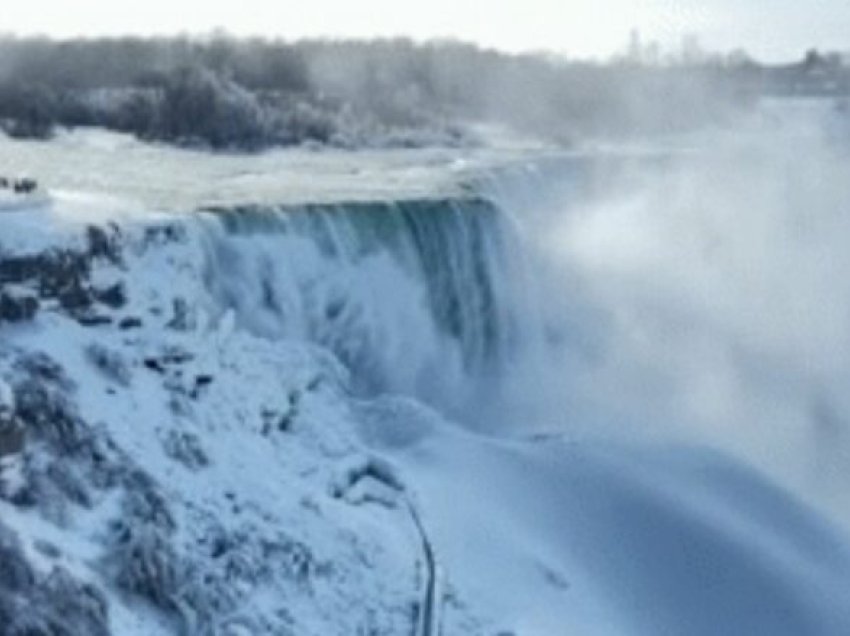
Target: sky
769, 29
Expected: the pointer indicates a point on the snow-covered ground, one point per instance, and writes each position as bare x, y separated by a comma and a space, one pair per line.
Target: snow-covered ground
162, 176
262, 421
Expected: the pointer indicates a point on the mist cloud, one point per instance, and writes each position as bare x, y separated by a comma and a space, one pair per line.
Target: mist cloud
717, 286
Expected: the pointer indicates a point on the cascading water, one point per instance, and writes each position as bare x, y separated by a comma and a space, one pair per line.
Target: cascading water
441, 299
423, 297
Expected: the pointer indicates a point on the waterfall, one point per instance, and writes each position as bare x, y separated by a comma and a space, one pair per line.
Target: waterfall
421, 296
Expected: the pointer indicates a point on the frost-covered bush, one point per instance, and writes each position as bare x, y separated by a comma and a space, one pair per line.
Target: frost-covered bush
109, 362
43, 404
186, 448
15, 573
143, 559
248, 94
67, 461
199, 105
41, 367
11, 431
7, 402
27, 110
145, 562
147, 565
52, 604
145, 505
70, 482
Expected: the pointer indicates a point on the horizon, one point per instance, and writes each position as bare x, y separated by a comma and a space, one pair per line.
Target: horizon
583, 30
650, 50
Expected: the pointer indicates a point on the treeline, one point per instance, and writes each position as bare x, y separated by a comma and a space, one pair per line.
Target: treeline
222, 92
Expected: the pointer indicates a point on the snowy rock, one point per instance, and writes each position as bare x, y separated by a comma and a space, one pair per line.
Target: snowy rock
17, 307
130, 322
113, 296
105, 243
183, 317
368, 479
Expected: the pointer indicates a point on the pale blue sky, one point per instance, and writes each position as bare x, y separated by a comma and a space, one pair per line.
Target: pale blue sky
771, 29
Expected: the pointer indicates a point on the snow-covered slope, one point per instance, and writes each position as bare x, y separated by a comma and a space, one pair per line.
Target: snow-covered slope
560, 538
193, 474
